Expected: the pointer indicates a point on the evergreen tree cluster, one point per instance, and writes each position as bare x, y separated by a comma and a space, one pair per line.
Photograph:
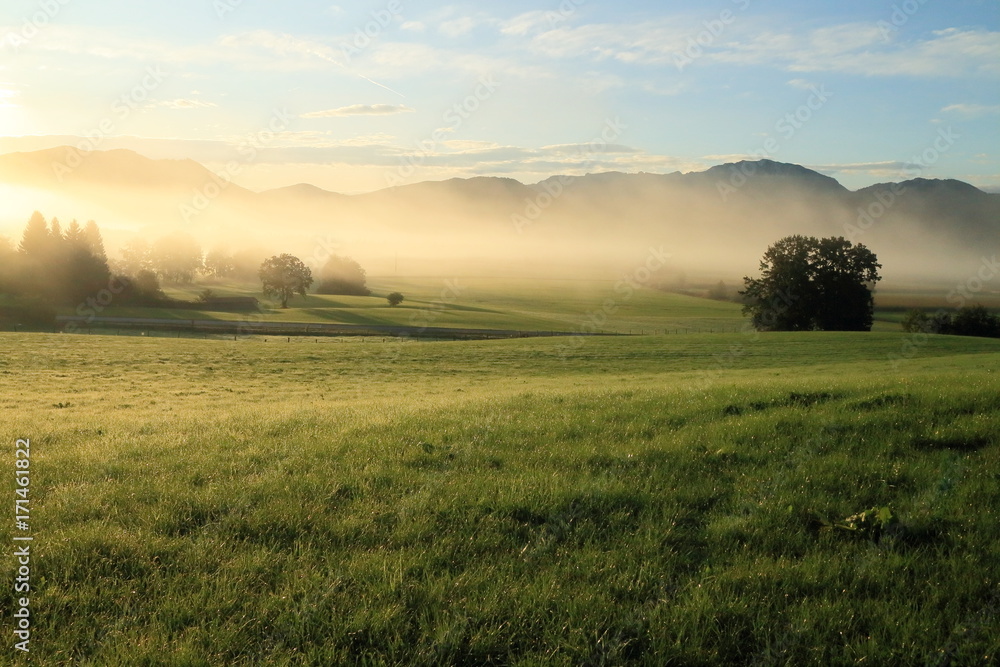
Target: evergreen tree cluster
56, 266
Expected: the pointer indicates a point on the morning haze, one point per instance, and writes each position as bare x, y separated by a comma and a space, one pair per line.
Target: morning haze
533, 333
714, 223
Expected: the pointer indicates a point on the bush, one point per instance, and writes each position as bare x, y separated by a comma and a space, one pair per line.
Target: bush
916, 321
975, 321
142, 290
967, 321
342, 276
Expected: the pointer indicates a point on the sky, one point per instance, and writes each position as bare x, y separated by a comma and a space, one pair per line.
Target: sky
355, 97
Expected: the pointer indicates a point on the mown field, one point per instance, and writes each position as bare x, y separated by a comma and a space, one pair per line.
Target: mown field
516, 304
667, 500
519, 305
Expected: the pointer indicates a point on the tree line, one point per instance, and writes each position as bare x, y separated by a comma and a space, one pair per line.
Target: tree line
810, 284
967, 321
53, 267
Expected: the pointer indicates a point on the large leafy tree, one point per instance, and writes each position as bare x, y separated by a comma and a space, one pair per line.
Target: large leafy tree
219, 263
284, 276
136, 256
810, 284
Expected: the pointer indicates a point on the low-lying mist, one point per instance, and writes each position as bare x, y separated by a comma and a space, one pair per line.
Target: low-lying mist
593, 227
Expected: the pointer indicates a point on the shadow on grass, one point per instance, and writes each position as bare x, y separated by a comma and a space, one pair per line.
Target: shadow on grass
347, 317
954, 443
793, 400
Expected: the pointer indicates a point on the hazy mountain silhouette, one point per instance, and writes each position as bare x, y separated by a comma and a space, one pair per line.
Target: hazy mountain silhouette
121, 168
722, 217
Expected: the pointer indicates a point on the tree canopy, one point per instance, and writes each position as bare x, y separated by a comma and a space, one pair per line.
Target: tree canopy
967, 321
810, 284
342, 275
176, 258
284, 276
57, 267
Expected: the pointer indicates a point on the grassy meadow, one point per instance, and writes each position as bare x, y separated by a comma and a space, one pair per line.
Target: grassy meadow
478, 303
562, 305
660, 500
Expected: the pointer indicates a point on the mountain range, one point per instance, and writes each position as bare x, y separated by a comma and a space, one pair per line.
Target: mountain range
716, 222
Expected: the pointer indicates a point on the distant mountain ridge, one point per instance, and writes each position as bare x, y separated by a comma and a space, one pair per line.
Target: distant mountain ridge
730, 211
126, 167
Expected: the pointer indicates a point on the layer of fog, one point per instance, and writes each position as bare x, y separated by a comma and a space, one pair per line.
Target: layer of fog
452, 230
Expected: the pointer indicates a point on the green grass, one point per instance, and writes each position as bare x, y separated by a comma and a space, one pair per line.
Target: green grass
520, 305
647, 500
514, 304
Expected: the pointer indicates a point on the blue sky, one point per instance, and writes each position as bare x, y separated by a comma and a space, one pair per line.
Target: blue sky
357, 96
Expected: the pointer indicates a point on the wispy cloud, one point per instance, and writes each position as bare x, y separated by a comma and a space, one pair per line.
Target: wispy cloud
376, 139
530, 22
866, 167
801, 84
852, 48
972, 110
183, 104
885, 171
463, 25
360, 110
860, 49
